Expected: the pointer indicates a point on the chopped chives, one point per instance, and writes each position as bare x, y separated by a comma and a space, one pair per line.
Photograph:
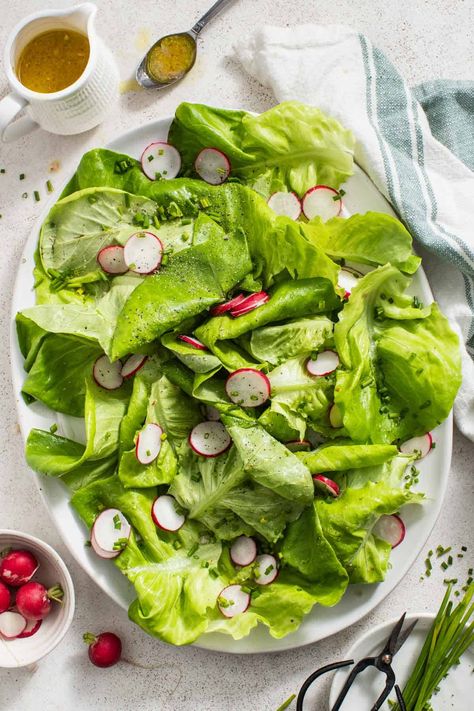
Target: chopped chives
22, 176
286, 703
53, 428
24, 195
37, 196
192, 550
49, 186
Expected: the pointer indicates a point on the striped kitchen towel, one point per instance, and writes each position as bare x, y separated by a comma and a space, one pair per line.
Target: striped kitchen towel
416, 146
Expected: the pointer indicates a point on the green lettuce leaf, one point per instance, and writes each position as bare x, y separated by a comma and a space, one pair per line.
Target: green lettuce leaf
53, 455
292, 146
80, 225
194, 279
372, 238
278, 343
57, 376
347, 521
291, 299
400, 375
340, 457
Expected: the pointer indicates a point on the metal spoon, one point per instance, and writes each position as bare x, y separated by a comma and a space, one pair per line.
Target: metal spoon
149, 82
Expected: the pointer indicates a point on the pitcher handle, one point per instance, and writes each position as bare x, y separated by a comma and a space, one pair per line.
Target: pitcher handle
10, 130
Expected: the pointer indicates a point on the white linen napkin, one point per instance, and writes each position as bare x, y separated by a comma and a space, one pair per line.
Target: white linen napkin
337, 69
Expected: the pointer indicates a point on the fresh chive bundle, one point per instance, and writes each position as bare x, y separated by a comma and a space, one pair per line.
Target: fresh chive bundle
451, 634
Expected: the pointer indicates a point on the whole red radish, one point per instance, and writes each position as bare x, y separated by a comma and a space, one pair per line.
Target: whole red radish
35, 602
105, 648
5, 598
18, 567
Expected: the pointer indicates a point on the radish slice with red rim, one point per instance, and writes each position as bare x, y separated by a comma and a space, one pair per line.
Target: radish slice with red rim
285, 204
326, 485
249, 304
390, 528
325, 363
12, 624
233, 601
248, 387
266, 569
417, 445
165, 515
299, 445
194, 342
148, 444
161, 160
209, 438
347, 280
133, 364
212, 166
111, 259
106, 374
32, 627
335, 417
321, 201
228, 305
110, 533
243, 551
143, 252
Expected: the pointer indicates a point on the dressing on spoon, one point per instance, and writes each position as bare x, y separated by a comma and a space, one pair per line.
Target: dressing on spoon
172, 56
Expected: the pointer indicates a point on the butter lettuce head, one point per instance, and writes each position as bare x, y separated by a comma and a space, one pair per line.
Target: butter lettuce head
397, 377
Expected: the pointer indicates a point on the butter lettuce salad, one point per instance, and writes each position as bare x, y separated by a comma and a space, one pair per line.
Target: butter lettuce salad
256, 381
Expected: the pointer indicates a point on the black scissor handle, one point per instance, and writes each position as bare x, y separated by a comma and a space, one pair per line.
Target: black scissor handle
315, 675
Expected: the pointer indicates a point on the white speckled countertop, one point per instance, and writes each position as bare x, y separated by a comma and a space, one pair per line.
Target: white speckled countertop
426, 39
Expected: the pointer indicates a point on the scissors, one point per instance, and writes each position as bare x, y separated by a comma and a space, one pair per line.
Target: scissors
382, 662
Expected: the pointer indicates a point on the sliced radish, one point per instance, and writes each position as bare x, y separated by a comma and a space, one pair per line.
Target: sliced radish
321, 201
32, 627
212, 413
165, 515
110, 533
212, 165
111, 259
161, 160
209, 438
325, 362
133, 364
286, 204
148, 444
143, 252
326, 485
12, 624
243, 551
417, 445
347, 280
193, 342
299, 445
228, 305
266, 569
233, 601
106, 374
390, 529
248, 387
335, 417
249, 304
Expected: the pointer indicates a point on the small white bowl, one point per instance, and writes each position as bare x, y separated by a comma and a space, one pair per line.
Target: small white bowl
16, 653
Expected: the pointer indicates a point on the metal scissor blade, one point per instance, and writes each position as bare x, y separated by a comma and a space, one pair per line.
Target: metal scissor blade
403, 637
394, 635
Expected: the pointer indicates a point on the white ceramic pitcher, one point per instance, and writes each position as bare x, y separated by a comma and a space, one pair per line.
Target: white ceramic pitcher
76, 108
